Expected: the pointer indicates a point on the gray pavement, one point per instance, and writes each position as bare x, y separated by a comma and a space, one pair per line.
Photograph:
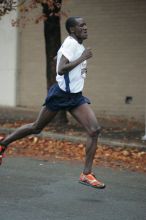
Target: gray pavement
49, 190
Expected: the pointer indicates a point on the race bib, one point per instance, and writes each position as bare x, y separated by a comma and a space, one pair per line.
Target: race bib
84, 69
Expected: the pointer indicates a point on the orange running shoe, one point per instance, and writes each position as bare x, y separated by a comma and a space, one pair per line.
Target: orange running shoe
90, 180
1, 154
2, 149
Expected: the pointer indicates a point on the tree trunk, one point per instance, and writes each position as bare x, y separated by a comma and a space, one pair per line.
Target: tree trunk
52, 43
52, 35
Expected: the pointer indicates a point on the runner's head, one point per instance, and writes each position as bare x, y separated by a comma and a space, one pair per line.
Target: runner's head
77, 28
71, 22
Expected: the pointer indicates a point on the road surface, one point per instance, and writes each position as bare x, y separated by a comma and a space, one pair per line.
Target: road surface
33, 189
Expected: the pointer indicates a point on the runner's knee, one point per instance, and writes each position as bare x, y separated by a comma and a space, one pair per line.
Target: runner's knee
94, 132
36, 129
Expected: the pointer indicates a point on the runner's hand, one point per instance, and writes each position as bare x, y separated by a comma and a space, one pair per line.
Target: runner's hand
87, 54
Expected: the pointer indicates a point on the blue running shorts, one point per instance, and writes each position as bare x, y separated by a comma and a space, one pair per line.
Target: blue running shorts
57, 99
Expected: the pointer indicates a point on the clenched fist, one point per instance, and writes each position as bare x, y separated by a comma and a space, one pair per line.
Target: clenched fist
87, 54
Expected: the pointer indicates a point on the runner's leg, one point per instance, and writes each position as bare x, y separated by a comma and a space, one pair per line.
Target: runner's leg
84, 115
44, 117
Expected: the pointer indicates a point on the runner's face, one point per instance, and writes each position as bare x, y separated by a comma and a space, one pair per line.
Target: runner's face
80, 30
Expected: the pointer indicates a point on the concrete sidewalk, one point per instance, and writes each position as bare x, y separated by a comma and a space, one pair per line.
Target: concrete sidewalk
111, 138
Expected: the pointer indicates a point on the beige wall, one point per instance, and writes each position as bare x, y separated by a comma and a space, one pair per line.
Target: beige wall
32, 81
117, 36
9, 46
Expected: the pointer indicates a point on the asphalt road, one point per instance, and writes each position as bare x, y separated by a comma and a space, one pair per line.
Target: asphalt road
39, 190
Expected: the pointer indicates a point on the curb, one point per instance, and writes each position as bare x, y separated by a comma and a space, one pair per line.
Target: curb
103, 141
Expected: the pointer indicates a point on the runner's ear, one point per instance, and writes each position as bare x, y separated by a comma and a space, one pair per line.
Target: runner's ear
72, 29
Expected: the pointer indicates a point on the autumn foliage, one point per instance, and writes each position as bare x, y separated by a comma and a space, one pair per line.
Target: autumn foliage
47, 148
25, 8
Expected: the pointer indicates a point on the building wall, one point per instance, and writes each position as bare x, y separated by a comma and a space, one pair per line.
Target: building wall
8, 60
117, 36
32, 80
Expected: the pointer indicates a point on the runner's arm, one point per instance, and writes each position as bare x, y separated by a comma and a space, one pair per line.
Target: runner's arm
66, 66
